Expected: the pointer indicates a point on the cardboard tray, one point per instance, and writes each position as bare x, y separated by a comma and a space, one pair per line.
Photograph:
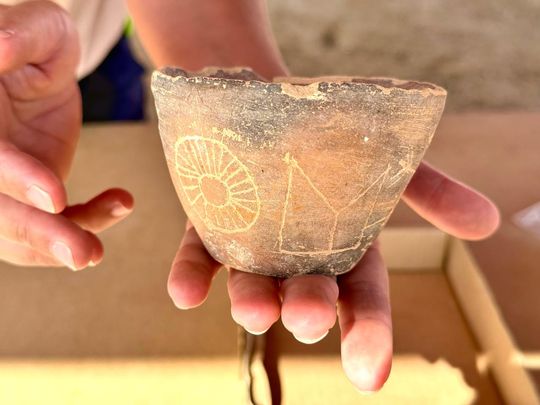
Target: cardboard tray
449, 342
449, 337
112, 335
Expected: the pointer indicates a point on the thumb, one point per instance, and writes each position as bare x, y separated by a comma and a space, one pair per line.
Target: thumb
39, 37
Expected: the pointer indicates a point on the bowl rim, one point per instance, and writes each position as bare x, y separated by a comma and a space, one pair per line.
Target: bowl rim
295, 86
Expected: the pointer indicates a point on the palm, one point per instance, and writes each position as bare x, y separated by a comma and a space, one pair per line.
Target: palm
39, 97
45, 127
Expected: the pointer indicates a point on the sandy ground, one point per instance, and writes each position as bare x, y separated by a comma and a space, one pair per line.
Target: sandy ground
485, 52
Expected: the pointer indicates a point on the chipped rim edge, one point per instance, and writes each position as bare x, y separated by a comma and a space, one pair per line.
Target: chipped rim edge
205, 75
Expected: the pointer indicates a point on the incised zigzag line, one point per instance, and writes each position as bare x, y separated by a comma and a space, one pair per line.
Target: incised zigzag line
292, 165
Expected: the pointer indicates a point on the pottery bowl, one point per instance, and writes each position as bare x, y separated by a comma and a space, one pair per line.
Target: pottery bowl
297, 176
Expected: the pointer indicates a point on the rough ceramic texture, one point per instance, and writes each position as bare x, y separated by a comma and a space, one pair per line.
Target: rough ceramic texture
284, 179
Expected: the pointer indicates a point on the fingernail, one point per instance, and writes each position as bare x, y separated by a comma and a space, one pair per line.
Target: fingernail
118, 210
255, 332
6, 33
311, 341
63, 253
41, 199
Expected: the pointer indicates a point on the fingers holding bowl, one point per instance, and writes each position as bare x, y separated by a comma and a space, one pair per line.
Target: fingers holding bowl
365, 322
255, 301
309, 306
306, 304
192, 272
451, 205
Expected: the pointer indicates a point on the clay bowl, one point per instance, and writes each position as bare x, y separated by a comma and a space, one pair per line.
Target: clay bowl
296, 176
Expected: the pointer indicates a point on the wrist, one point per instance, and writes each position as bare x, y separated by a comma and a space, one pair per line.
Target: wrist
224, 34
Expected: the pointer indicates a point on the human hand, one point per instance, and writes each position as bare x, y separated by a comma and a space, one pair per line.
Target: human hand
40, 118
307, 304
238, 33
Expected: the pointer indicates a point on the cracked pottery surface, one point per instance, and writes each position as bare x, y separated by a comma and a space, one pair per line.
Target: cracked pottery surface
295, 176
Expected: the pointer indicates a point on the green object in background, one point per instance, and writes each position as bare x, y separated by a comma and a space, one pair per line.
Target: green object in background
129, 29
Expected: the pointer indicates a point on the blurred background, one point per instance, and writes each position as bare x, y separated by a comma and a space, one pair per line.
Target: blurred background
486, 53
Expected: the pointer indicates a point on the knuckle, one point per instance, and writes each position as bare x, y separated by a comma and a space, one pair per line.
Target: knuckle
239, 281
32, 257
22, 232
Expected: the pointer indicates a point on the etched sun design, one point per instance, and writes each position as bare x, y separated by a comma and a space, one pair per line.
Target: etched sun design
218, 186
